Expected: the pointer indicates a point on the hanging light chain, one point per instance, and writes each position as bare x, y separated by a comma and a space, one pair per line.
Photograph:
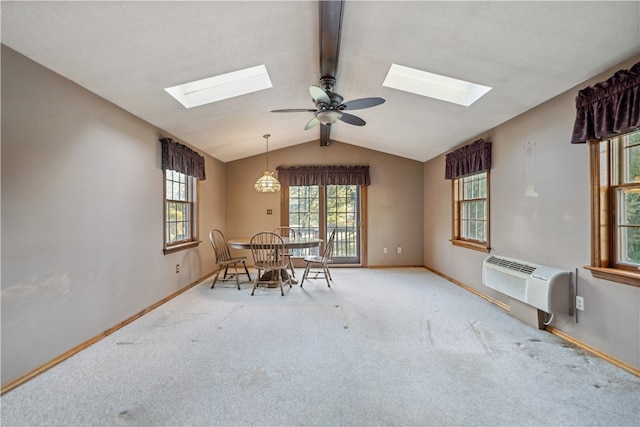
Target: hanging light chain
266, 136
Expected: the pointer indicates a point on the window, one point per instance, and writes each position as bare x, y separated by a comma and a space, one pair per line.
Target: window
343, 214
315, 210
615, 195
180, 211
224, 86
470, 225
304, 214
434, 85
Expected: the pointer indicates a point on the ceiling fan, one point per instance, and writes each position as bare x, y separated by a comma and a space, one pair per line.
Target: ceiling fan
330, 108
329, 105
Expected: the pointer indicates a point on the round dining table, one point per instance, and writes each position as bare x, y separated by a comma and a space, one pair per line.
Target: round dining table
296, 243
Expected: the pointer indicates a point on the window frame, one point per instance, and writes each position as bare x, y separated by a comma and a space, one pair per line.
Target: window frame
192, 195
456, 200
603, 214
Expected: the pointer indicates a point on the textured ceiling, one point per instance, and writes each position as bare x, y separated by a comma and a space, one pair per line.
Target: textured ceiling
127, 52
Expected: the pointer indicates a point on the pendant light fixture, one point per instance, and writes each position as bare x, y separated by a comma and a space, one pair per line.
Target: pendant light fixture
267, 183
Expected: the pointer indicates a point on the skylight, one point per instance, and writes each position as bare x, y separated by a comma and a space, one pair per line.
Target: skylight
434, 85
221, 87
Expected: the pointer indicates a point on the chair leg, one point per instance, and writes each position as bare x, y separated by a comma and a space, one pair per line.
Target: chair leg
235, 267
255, 283
306, 272
226, 268
289, 279
280, 281
215, 279
246, 270
293, 270
327, 276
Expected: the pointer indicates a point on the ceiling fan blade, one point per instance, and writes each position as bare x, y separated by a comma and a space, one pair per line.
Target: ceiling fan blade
359, 104
319, 95
325, 132
352, 120
312, 123
294, 110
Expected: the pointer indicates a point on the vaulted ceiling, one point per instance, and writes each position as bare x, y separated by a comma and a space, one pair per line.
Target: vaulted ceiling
128, 52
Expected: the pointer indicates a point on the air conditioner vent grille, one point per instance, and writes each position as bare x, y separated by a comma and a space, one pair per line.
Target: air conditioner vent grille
511, 265
543, 287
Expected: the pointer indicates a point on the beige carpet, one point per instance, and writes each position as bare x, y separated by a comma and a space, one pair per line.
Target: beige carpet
399, 347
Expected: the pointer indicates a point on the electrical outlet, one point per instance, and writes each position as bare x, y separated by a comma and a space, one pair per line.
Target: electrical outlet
269, 212
580, 303
399, 249
177, 268
385, 250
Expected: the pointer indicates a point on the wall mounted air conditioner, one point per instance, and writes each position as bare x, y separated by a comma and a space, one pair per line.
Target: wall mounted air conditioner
545, 288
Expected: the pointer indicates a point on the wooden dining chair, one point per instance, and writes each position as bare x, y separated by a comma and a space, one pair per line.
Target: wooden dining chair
320, 262
291, 234
224, 258
268, 252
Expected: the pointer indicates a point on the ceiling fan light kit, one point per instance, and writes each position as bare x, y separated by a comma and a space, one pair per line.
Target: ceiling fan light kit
267, 183
328, 117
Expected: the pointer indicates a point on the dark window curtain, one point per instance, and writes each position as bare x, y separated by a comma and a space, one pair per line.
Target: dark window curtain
324, 175
468, 160
608, 108
180, 158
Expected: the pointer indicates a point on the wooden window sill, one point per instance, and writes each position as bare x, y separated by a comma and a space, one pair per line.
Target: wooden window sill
470, 245
615, 275
181, 247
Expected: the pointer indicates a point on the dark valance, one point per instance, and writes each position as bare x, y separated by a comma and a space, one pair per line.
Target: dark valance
324, 175
608, 108
180, 158
470, 159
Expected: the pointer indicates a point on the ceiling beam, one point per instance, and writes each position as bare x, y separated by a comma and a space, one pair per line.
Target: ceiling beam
325, 135
330, 29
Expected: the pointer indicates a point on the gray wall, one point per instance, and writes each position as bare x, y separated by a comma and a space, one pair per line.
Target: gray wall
551, 229
82, 206
82, 196
394, 197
